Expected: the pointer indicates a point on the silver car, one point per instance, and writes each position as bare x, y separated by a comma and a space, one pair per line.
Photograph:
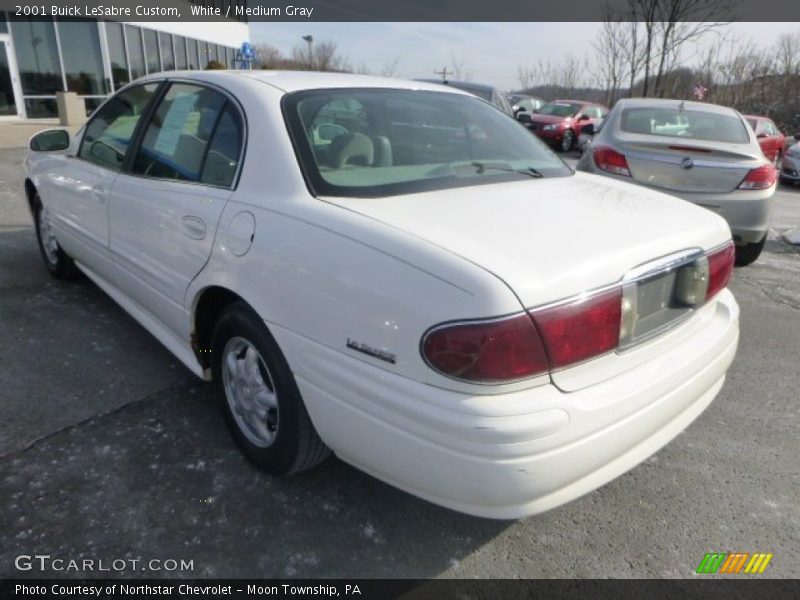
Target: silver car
790, 167
703, 153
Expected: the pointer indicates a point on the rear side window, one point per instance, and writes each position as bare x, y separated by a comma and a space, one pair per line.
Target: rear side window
195, 135
109, 133
687, 124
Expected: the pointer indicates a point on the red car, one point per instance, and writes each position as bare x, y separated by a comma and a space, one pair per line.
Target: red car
559, 122
771, 140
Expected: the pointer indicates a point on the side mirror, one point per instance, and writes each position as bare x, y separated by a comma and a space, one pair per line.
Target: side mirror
588, 129
524, 117
50, 140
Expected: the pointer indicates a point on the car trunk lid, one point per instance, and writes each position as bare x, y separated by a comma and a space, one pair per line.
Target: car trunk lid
553, 239
690, 167
550, 238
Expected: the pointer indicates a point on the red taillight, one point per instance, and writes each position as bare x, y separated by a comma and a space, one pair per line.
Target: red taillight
582, 329
493, 351
610, 160
720, 267
553, 337
759, 179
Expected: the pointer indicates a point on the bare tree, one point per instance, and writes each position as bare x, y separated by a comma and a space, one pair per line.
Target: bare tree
461, 66
389, 68
609, 48
267, 57
321, 56
659, 29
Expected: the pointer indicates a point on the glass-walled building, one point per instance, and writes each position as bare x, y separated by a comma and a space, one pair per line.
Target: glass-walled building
40, 57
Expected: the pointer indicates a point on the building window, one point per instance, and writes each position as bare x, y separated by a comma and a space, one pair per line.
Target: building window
37, 57
82, 60
151, 50
204, 57
116, 50
192, 49
41, 108
180, 52
167, 54
133, 37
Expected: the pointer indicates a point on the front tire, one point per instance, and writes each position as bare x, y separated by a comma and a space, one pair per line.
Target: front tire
567, 141
748, 254
57, 262
259, 396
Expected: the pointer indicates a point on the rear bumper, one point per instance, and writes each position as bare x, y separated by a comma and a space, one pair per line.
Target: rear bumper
511, 455
747, 212
790, 169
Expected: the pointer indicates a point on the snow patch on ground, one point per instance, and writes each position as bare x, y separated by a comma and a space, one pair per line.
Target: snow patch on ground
792, 236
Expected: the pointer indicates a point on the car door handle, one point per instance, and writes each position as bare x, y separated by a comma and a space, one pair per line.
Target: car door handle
194, 227
100, 193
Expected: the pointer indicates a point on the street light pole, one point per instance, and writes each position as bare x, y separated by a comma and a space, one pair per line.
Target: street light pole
310, 40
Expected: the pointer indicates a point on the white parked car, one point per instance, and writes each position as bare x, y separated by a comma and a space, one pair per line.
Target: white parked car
397, 272
703, 153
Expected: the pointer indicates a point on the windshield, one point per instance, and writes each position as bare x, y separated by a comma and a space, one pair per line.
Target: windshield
385, 142
560, 109
686, 124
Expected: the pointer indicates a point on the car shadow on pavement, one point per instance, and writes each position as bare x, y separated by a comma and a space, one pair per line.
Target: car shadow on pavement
114, 451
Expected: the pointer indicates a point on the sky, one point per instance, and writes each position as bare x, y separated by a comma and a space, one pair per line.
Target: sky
491, 51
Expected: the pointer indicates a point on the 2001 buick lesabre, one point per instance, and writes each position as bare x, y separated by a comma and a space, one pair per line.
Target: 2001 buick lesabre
397, 272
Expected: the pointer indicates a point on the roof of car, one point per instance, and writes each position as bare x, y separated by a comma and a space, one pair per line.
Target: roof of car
463, 85
292, 81
675, 103
586, 102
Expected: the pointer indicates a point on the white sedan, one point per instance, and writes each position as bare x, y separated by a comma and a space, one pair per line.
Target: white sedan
396, 272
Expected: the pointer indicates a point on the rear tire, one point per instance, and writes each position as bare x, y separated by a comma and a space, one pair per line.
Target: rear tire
747, 255
259, 396
56, 261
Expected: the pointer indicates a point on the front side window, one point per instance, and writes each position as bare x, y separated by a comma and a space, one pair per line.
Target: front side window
383, 142
688, 124
110, 131
178, 141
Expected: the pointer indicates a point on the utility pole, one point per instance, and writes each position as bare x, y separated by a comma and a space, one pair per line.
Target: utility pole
443, 73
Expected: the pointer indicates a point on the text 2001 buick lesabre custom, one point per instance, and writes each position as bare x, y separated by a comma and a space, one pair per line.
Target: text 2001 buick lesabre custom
397, 272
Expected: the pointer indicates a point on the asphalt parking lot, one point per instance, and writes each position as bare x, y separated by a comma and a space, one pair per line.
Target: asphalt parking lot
110, 449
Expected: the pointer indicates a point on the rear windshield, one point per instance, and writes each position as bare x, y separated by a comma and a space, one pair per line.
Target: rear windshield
385, 142
560, 109
685, 124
